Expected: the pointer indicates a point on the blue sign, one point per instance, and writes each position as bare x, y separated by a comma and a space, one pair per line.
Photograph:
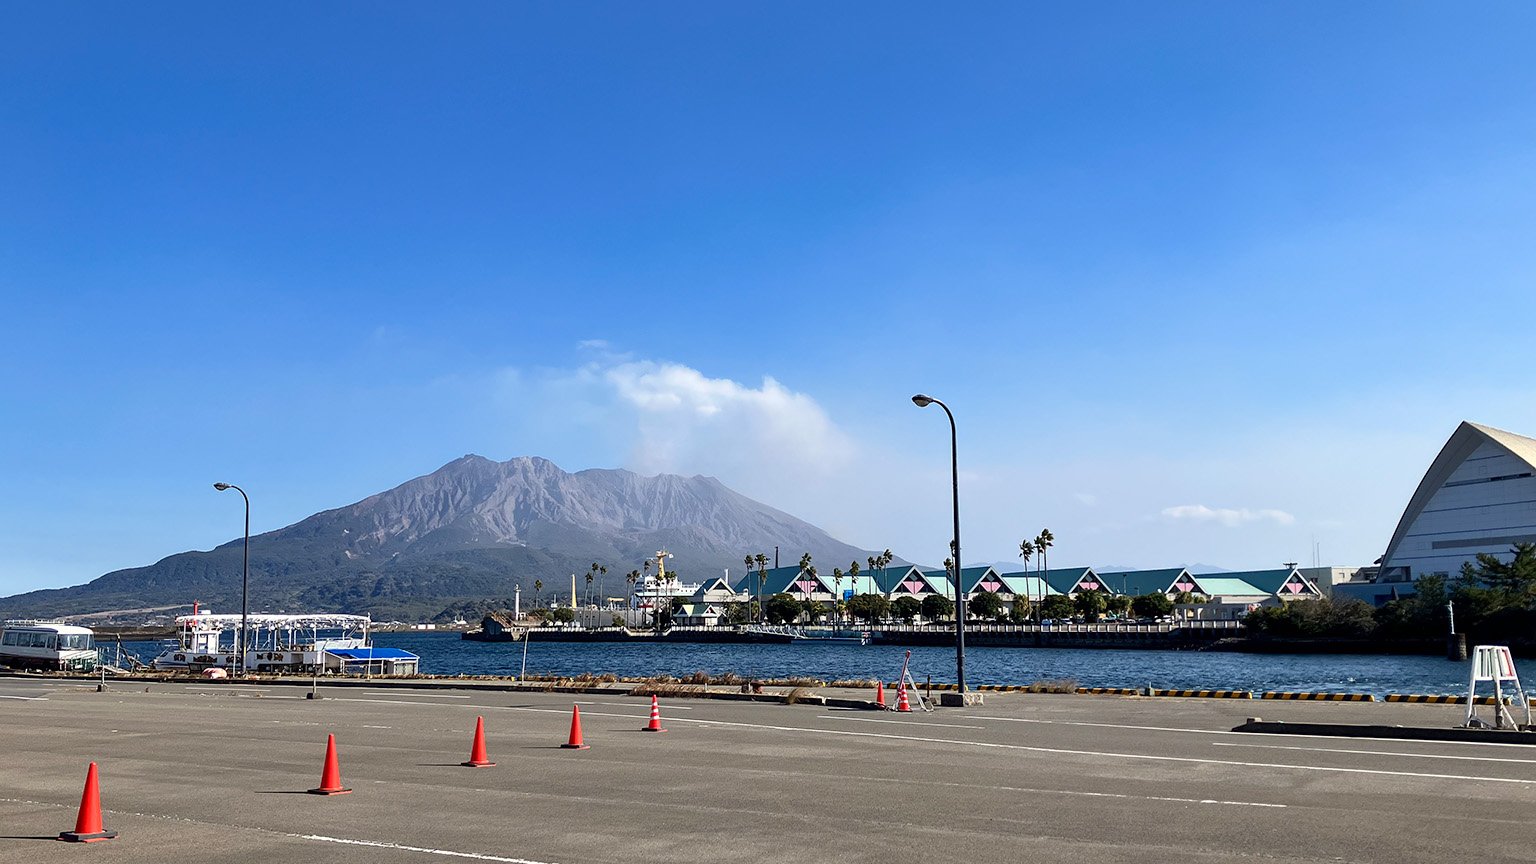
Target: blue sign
847, 593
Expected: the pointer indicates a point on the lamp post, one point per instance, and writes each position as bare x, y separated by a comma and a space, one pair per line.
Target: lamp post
922, 401
245, 572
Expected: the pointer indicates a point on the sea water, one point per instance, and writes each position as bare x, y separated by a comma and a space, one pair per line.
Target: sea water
447, 654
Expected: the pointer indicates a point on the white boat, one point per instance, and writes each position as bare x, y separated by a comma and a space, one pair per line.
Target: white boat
281, 643
47, 645
659, 589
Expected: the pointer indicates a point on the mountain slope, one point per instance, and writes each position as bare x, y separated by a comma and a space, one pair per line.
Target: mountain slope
472, 529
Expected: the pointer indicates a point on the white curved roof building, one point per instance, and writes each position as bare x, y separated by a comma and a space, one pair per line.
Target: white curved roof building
1479, 495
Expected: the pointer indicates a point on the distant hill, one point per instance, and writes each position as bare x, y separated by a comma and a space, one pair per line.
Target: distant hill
474, 529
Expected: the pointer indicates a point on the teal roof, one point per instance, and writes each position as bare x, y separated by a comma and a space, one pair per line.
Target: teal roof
1257, 582
1064, 580
1229, 586
1027, 585
889, 577
780, 581
1134, 583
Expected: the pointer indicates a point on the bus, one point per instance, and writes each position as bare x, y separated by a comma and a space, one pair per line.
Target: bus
54, 647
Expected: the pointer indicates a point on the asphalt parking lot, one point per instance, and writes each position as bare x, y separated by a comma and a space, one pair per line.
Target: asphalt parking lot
217, 773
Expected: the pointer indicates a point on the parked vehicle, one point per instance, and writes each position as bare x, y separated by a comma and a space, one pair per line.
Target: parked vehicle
55, 647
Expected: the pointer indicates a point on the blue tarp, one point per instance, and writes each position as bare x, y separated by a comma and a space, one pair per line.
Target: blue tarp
371, 654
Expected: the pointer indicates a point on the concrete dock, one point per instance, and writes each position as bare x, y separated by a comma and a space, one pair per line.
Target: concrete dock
216, 773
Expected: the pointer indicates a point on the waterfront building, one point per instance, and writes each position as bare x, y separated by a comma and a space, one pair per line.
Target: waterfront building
1234, 595
1171, 581
1478, 496
1071, 580
1326, 578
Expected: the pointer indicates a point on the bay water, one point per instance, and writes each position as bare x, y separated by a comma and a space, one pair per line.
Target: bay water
447, 654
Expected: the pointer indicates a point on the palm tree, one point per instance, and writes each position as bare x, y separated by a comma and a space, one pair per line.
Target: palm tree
538, 585
1042, 543
762, 585
632, 577
590, 574
837, 581
747, 564
1027, 551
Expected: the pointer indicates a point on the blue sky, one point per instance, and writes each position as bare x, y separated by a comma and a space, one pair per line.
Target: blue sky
1202, 282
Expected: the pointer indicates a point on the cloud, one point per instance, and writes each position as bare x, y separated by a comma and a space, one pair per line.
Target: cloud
1225, 516
1087, 499
688, 422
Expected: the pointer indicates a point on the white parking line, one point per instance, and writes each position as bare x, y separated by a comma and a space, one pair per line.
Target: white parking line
27, 698
422, 849
1290, 735
670, 706
417, 693
901, 722
1373, 752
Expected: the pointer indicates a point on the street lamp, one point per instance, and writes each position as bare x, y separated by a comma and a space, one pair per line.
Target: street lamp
245, 572
922, 401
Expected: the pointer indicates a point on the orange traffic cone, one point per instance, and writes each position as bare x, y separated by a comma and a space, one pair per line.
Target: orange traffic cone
655, 724
575, 742
88, 822
477, 749
902, 705
330, 777
880, 695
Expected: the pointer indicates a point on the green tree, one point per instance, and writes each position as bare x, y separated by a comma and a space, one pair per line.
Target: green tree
871, 608
1021, 612
937, 607
986, 605
562, 614
813, 610
1089, 604
783, 609
1154, 605
538, 587
1117, 604
906, 608
1516, 579
1057, 606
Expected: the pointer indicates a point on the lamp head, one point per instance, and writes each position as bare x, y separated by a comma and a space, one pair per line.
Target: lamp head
221, 486
921, 401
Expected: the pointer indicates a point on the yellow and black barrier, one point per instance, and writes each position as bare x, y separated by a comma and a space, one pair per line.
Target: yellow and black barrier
1107, 691
1424, 699
1206, 694
1320, 697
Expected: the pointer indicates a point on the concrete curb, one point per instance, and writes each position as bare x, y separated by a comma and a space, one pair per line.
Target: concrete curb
1409, 733
1319, 697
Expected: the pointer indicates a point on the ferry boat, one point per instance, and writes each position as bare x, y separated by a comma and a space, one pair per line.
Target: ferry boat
281, 644
658, 590
47, 645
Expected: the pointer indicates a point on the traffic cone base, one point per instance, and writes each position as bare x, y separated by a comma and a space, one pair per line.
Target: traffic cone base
575, 742
902, 705
879, 694
655, 724
477, 758
330, 775
72, 837
88, 821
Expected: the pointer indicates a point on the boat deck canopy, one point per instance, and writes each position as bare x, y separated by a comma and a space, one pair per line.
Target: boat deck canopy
371, 654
